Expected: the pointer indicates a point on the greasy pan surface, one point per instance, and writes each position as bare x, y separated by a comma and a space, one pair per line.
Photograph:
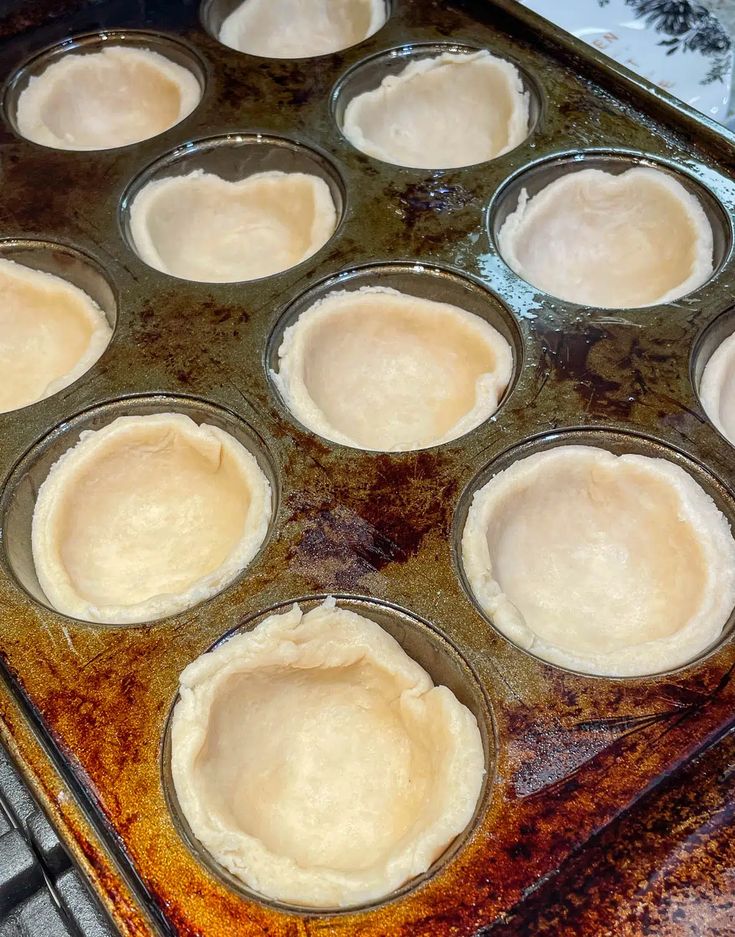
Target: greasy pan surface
567, 753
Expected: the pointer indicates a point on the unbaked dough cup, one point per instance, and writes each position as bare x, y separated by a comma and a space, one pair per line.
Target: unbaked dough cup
21, 489
426, 281
705, 345
213, 13
619, 443
77, 268
536, 176
368, 74
172, 49
446, 666
234, 157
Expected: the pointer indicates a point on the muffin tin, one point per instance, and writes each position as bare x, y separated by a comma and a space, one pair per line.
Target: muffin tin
86, 706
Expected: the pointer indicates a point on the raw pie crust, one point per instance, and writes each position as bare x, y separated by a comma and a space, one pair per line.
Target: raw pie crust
285, 29
51, 332
717, 388
146, 517
618, 565
106, 99
452, 110
318, 763
612, 241
201, 227
383, 370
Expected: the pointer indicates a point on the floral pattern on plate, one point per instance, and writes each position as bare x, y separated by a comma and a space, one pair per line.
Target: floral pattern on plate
679, 45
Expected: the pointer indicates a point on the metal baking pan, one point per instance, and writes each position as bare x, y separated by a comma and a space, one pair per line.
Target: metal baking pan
86, 707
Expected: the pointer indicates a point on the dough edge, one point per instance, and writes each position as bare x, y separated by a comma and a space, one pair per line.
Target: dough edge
659, 655
232, 25
276, 639
32, 98
528, 208
323, 227
712, 382
101, 329
50, 570
518, 125
289, 379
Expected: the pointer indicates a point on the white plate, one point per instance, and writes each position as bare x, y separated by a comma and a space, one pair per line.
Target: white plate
680, 46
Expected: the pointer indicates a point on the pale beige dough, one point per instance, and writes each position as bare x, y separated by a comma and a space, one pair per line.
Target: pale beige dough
201, 227
618, 565
106, 99
146, 517
611, 241
379, 369
438, 113
51, 333
289, 29
318, 763
717, 388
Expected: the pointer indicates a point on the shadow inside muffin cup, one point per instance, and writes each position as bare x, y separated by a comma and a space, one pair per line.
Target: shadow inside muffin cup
89, 43
535, 177
619, 443
446, 666
368, 74
233, 158
21, 489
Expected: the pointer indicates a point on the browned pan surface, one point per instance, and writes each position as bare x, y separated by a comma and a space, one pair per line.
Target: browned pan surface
568, 752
